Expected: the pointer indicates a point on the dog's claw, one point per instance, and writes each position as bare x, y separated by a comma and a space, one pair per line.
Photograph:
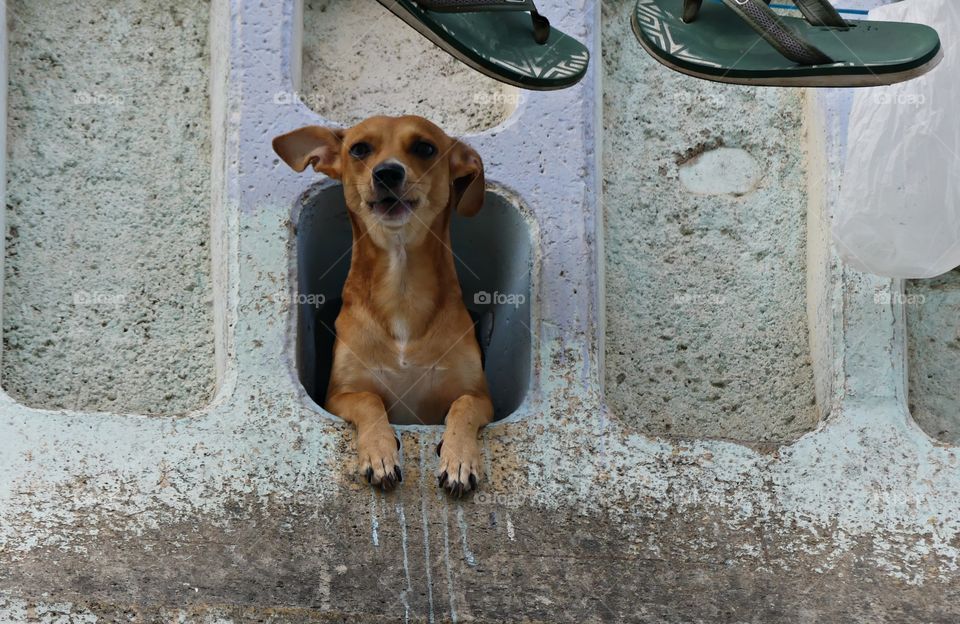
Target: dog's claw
378, 448
459, 467
389, 481
396, 471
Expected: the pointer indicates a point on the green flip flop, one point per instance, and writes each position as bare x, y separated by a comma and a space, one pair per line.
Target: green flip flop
508, 40
745, 42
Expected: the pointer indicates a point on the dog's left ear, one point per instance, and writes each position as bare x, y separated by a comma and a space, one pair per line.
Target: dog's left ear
466, 179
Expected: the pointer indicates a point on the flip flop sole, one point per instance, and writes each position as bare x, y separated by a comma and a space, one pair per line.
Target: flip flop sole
721, 47
510, 56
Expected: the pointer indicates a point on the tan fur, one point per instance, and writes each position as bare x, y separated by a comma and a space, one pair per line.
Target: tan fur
406, 350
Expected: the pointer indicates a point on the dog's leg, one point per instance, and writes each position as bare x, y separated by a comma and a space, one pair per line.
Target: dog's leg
377, 445
459, 449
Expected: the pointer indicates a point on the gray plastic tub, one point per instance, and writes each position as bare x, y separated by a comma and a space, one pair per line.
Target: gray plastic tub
493, 256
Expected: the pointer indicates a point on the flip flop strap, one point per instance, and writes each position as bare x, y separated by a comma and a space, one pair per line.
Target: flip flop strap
691, 8
769, 26
541, 25
821, 13
817, 12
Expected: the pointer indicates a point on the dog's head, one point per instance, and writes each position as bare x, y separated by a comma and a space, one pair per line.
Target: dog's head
398, 173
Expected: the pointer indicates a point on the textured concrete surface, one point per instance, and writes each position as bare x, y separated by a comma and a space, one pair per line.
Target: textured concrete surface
400, 559
933, 327
250, 510
359, 60
107, 296
707, 332
721, 171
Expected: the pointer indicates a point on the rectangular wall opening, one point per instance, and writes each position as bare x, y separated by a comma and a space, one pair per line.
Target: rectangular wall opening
706, 254
493, 254
933, 334
344, 76
108, 302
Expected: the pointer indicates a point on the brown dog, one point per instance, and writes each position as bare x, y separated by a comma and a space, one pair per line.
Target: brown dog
405, 350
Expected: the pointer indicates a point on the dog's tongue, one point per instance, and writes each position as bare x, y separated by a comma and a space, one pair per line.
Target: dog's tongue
392, 207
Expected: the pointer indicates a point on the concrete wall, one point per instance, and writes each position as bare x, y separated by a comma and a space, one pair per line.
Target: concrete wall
933, 310
249, 510
705, 207
359, 60
107, 287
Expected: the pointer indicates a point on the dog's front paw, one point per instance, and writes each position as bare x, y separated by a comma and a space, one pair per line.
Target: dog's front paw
379, 452
459, 470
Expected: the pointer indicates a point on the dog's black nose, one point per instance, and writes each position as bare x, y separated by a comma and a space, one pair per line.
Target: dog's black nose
389, 176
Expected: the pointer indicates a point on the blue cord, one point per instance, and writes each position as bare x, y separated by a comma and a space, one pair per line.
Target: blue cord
793, 8
790, 7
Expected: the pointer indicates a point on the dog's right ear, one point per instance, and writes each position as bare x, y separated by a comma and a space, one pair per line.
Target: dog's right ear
469, 184
312, 145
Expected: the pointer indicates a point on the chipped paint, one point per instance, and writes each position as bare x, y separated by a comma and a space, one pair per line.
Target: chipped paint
374, 521
448, 564
401, 517
462, 525
425, 527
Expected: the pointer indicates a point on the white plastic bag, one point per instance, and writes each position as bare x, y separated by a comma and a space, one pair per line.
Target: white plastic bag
899, 210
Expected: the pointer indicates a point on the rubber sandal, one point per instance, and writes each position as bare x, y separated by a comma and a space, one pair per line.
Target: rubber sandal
505, 39
745, 42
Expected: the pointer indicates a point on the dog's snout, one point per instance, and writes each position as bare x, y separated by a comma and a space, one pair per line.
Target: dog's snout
389, 176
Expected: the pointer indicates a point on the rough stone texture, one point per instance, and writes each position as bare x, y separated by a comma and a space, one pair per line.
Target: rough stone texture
706, 318
359, 60
107, 303
933, 328
399, 559
721, 171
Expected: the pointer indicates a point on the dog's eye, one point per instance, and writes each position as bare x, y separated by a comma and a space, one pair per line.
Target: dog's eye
360, 150
423, 149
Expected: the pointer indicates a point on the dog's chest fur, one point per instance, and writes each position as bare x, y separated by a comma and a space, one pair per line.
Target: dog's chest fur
418, 378
406, 327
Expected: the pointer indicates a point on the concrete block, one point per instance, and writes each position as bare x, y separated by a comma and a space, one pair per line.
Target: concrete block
933, 309
108, 302
705, 204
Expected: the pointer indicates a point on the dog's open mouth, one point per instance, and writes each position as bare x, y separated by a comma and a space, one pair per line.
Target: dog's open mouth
392, 208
